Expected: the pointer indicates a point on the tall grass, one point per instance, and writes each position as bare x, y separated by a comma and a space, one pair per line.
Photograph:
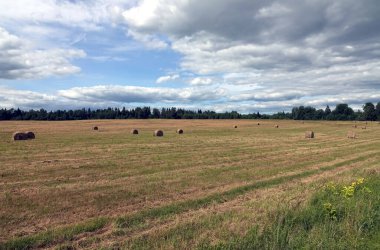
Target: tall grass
341, 216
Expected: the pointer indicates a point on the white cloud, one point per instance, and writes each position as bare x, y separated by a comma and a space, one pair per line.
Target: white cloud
135, 94
61, 25
11, 98
143, 13
220, 99
18, 60
102, 96
168, 78
149, 41
87, 15
199, 81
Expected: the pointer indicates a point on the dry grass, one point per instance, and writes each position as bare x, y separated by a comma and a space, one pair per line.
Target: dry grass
69, 175
351, 135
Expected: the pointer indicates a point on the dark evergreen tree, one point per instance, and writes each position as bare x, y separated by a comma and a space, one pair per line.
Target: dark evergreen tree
327, 112
156, 113
378, 111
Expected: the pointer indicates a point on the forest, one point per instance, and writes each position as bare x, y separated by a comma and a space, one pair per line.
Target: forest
370, 112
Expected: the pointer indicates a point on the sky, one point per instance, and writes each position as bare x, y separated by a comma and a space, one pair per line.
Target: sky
222, 55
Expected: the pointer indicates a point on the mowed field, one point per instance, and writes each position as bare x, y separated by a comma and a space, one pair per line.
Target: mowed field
73, 186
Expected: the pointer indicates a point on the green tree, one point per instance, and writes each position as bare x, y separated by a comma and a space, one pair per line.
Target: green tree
343, 112
378, 111
327, 111
156, 113
369, 112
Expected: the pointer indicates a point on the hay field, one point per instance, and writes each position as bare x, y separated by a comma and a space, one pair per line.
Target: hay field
73, 186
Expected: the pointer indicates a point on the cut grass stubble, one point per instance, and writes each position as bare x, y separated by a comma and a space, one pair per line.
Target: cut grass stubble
66, 233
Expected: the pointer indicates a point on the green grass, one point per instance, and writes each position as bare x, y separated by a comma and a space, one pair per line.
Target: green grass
178, 236
180, 207
54, 236
333, 219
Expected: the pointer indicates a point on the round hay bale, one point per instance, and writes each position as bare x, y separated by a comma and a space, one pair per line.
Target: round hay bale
95, 128
30, 135
158, 133
134, 132
309, 134
276, 126
180, 131
351, 135
235, 126
17, 136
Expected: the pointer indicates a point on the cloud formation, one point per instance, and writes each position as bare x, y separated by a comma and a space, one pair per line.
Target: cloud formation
246, 55
12, 98
279, 50
163, 79
86, 15
220, 99
135, 94
201, 81
20, 61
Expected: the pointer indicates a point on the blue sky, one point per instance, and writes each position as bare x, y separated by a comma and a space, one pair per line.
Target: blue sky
223, 55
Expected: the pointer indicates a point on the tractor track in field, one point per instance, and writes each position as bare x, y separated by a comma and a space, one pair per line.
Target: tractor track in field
157, 225
230, 195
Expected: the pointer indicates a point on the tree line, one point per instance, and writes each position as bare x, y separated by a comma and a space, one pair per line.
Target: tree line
341, 112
